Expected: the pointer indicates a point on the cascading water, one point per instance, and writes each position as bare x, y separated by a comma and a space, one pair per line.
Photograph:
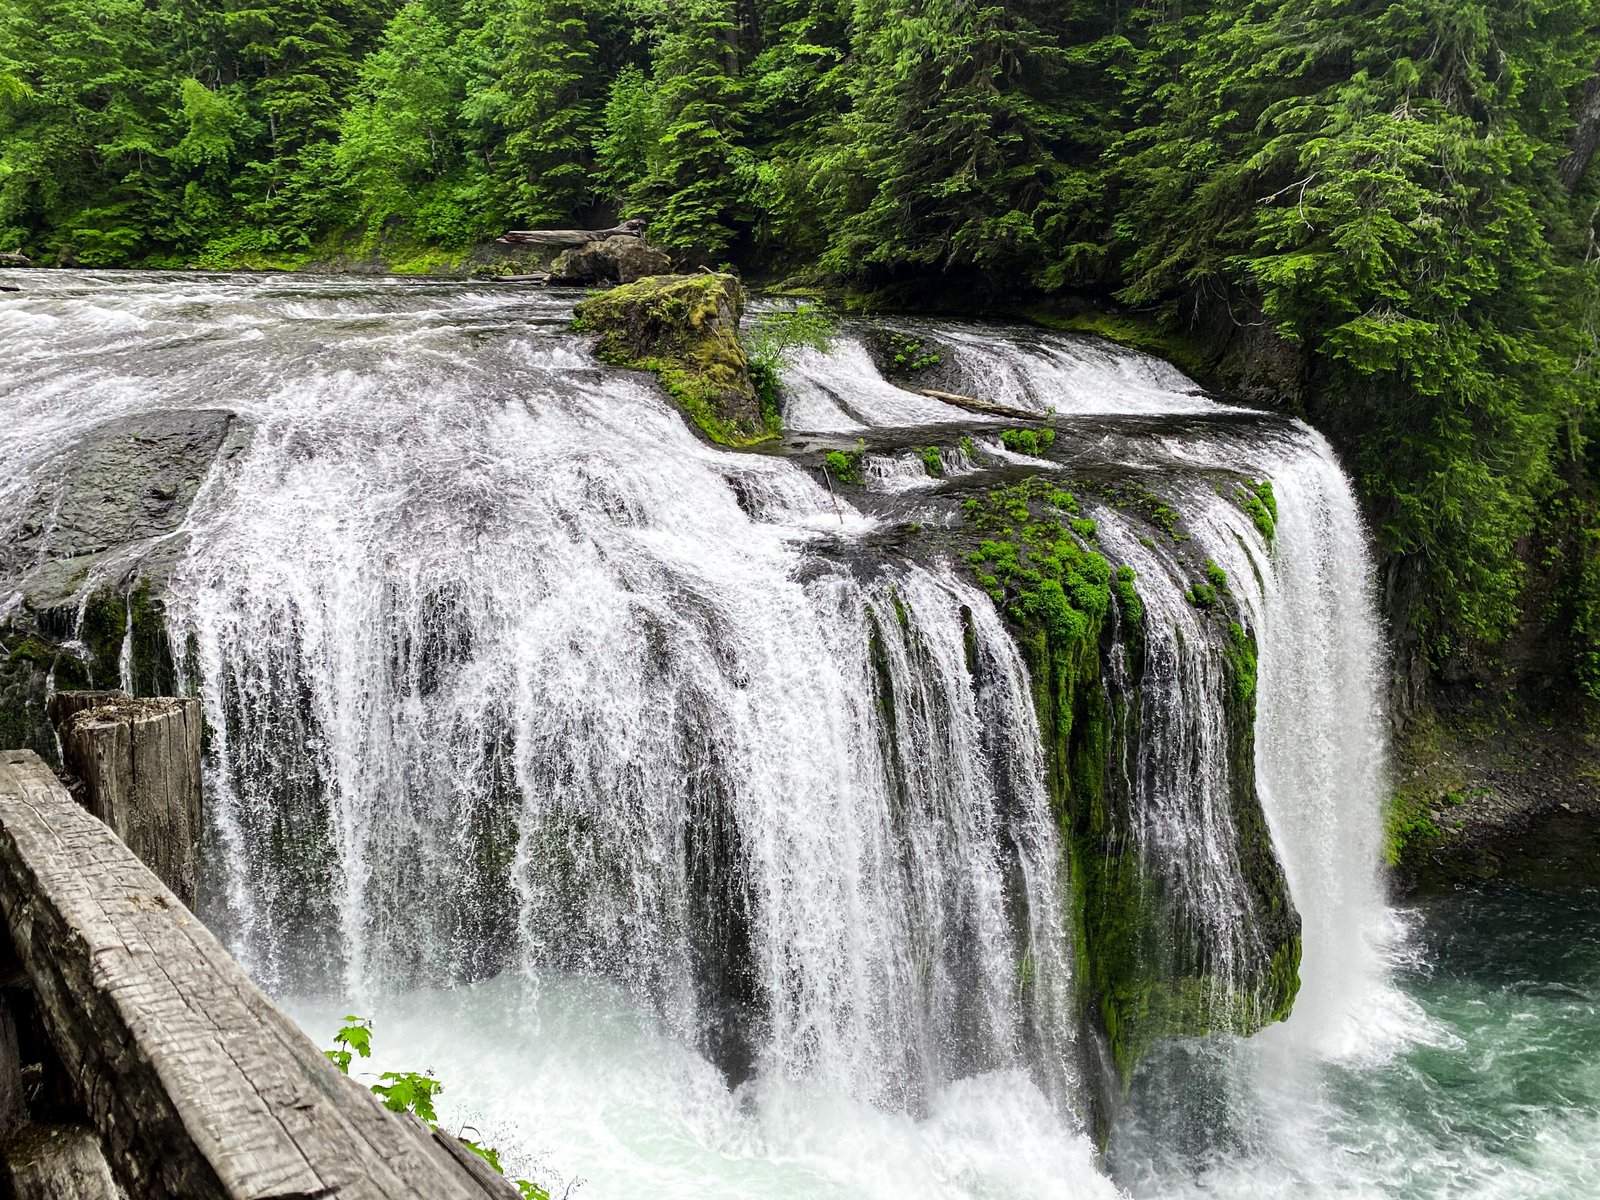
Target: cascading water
691, 821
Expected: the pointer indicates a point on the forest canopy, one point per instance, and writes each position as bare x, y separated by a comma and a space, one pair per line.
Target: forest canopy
1399, 189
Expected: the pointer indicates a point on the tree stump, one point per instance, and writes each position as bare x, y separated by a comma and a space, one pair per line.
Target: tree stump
139, 761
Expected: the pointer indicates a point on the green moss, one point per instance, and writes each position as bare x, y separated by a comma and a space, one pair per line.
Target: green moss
1131, 609
1141, 979
1409, 829
1028, 441
31, 650
1258, 501
427, 260
1242, 660
685, 330
844, 465
931, 462
1207, 594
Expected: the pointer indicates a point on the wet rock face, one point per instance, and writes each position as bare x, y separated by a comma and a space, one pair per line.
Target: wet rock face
616, 259
126, 482
81, 570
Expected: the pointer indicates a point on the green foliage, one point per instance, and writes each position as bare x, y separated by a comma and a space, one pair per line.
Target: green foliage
410, 1092
354, 1040
773, 337
407, 1091
843, 465
908, 355
931, 462
1586, 615
1262, 506
771, 340
1028, 441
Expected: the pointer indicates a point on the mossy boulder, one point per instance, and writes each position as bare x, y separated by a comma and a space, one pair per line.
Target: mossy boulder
685, 330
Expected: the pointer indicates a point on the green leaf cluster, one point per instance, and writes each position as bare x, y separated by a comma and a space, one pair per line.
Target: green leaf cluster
410, 1092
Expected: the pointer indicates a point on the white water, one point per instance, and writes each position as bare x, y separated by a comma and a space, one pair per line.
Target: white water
507, 672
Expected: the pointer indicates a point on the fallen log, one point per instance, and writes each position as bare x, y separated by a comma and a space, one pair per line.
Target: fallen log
986, 408
539, 277
570, 237
15, 259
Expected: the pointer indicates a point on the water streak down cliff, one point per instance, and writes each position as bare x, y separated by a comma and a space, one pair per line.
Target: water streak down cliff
505, 670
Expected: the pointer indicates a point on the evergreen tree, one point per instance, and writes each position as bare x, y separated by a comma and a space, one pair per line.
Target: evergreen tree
961, 110
694, 195
398, 140
549, 76
84, 130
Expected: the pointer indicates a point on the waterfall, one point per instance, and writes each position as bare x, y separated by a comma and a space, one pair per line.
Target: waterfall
716, 805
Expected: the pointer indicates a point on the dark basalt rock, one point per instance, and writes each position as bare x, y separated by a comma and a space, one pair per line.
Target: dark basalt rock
111, 508
127, 481
616, 259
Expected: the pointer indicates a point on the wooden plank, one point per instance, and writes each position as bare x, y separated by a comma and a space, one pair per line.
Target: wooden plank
198, 1085
57, 1162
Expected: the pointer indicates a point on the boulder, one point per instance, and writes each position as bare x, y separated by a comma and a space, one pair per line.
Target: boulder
685, 329
616, 259
83, 564
126, 481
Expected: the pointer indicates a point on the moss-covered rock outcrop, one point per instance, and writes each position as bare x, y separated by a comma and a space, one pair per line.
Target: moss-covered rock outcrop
685, 329
1079, 621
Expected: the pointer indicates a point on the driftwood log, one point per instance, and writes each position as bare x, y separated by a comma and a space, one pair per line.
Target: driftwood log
139, 761
571, 237
15, 259
197, 1086
987, 408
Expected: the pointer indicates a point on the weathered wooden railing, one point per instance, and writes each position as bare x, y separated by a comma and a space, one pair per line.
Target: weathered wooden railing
138, 1060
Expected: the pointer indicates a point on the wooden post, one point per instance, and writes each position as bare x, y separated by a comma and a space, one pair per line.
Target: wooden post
67, 704
139, 761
